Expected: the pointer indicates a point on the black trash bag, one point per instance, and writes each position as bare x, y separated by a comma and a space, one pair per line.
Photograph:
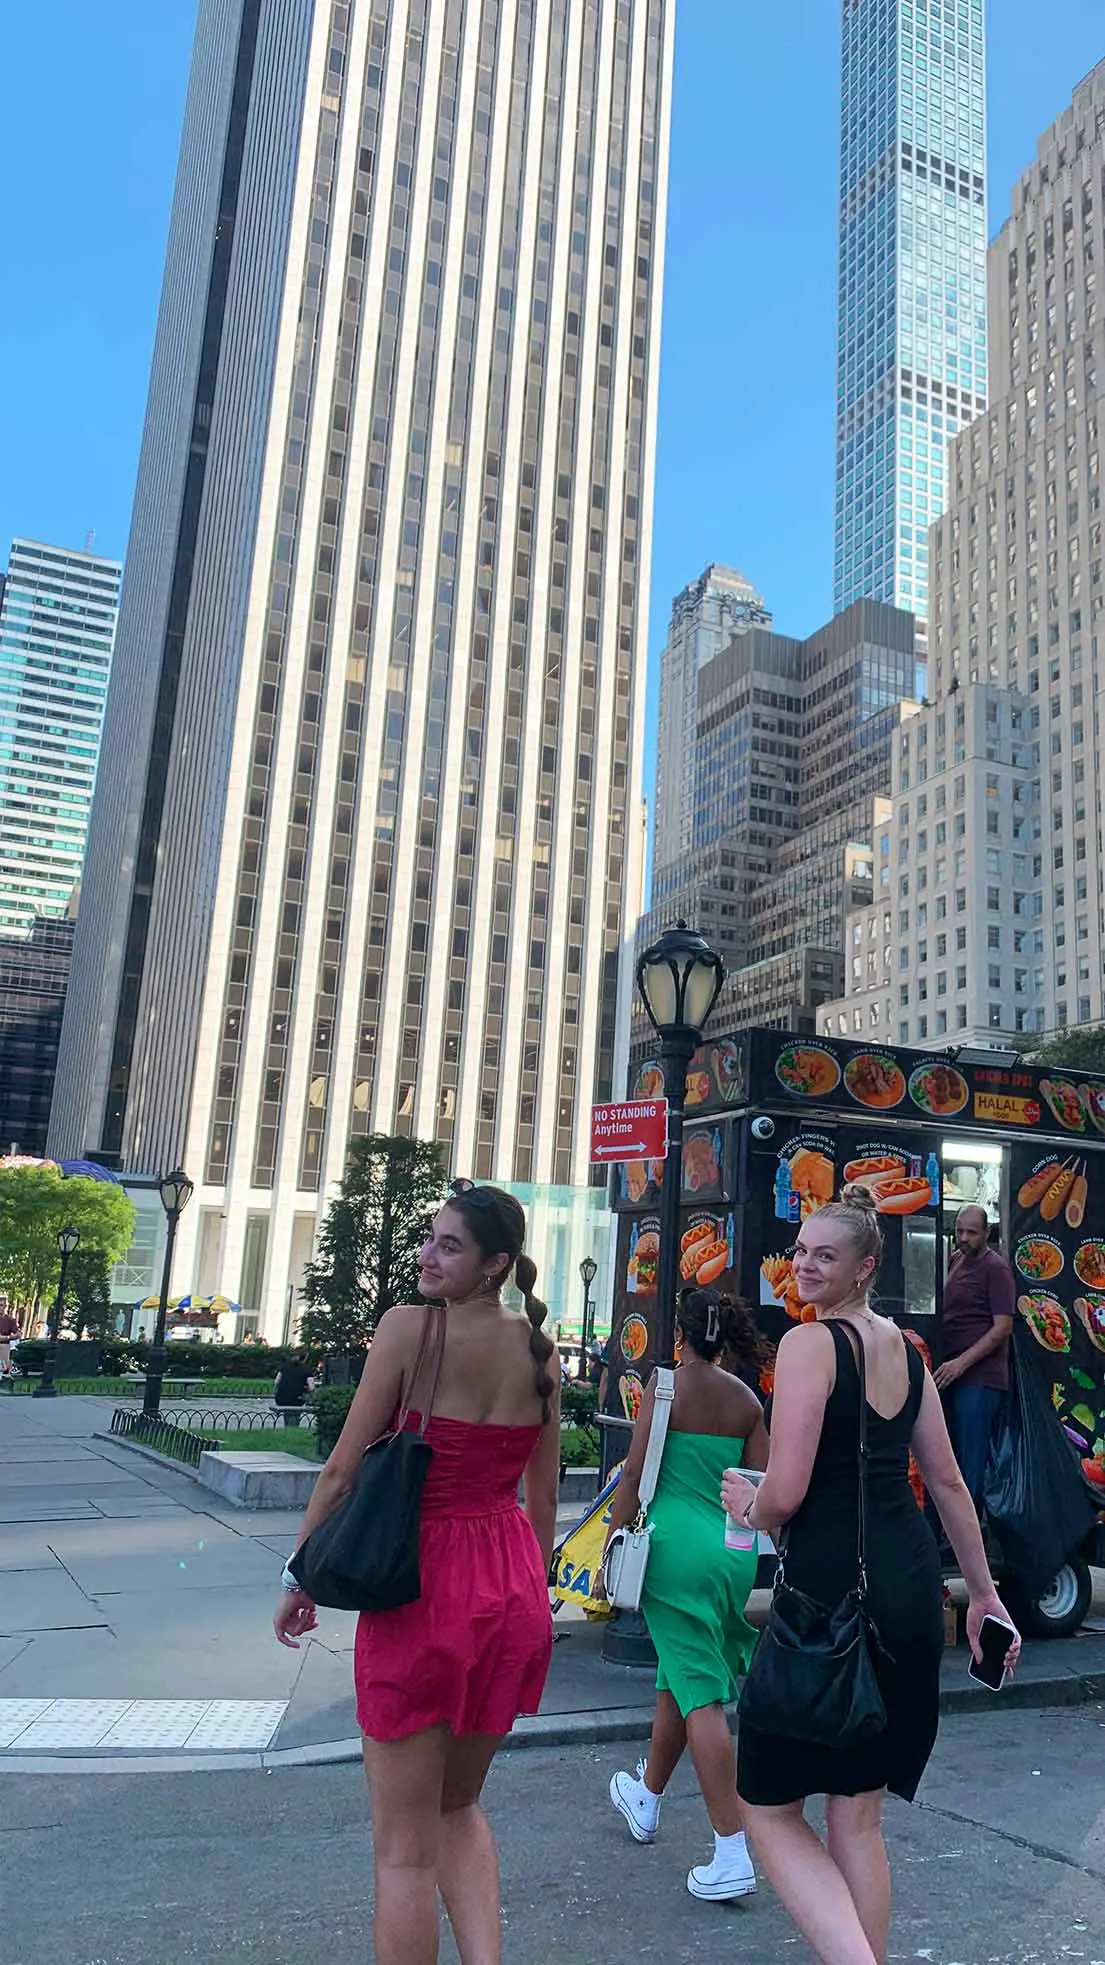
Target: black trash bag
1034, 1493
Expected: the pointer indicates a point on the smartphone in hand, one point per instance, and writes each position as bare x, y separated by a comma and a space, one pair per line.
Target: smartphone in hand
995, 1640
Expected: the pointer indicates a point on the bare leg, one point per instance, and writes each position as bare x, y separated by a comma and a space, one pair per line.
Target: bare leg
711, 1745
665, 1748
857, 1848
468, 1863
405, 1778
809, 1885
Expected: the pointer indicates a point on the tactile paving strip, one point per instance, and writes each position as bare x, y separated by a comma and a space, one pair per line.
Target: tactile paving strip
157, 1725
16, 1715
231, 1725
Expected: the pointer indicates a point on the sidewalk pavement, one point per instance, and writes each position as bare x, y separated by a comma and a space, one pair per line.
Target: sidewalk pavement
142, 1602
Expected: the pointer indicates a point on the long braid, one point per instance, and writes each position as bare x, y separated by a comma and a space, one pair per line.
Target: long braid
540, 1344
497, 1224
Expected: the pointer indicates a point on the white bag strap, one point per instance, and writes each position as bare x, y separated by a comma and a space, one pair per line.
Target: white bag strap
658, 1433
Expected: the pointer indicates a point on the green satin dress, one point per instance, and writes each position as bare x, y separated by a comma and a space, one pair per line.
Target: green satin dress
695, 1589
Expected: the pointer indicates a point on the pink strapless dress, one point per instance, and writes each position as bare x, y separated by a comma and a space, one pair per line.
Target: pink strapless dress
474, 1651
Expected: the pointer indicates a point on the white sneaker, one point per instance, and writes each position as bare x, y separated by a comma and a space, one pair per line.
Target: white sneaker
723, 1880
640, 1807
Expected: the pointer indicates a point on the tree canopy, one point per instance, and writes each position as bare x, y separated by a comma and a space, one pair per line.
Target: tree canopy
1081, 1048
36, 1203
369, 1243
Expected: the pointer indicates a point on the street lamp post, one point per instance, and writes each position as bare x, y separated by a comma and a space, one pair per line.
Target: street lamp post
68, 1238
588, 1270
176, 1192
679, 979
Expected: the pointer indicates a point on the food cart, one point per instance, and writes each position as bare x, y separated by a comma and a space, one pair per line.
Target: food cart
775, 1124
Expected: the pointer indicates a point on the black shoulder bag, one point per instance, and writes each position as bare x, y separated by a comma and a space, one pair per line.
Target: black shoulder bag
364, 1556
813, 1675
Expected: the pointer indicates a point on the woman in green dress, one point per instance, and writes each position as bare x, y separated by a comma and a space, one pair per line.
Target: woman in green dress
696, 1589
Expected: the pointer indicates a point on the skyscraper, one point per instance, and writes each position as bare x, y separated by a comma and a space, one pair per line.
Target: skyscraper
994, 896
57, 630
704, 618
363, 858
34, 973
911, 342
792, 741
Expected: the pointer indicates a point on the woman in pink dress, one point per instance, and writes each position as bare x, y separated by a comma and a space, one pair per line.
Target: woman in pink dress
441, 1681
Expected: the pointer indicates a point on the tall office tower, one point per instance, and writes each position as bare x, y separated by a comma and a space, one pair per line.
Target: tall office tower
704, 617
793, 741
364, 854
997, 876
34, 973
911, 337
57, 630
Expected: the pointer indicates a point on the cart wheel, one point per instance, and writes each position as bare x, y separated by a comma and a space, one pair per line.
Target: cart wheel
1059, 1610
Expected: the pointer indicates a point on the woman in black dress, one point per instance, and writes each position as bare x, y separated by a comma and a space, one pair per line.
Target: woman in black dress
838, 1891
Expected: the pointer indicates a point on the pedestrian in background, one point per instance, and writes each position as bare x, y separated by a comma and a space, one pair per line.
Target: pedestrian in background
293, 1382
696, 1589
441, 1681
976, 1324
838, 1891
9, 1331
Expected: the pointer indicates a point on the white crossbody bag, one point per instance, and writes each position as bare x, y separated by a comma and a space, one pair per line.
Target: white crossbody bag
626, 1558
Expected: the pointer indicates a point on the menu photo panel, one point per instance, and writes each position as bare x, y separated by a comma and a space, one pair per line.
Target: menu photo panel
1057, 1246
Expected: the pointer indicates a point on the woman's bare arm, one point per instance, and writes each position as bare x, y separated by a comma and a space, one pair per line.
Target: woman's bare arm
627, 1494
940, 1470
803, 1381
541, 1479
390, 1355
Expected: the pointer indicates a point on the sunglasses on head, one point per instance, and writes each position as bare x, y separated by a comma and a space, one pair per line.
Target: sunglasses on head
478, 1197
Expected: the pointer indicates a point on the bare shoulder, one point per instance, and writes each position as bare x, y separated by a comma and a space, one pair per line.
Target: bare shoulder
399, 1331
806, 1348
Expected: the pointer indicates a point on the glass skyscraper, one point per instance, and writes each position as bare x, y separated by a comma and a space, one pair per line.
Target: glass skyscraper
911, 360
57, 629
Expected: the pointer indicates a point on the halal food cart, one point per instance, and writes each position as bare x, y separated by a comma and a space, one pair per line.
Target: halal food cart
776, 1124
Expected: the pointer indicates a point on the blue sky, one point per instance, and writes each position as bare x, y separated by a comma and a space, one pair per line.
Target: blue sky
745, 467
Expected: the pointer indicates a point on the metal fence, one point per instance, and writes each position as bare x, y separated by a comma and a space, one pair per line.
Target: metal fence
160, 1434
210, 1419
187, 1431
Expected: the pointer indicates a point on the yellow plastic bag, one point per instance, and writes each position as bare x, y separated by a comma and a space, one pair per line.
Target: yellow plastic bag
578, 1558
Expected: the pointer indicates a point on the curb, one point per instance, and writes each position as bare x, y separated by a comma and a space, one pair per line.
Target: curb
596, 1728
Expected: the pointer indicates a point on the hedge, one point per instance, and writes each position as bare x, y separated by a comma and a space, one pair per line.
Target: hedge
119, 1355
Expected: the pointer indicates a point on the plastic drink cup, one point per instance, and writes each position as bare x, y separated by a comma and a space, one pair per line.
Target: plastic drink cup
737, 1533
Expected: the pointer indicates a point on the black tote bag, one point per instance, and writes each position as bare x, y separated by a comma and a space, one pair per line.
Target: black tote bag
814, 1675
364, 1556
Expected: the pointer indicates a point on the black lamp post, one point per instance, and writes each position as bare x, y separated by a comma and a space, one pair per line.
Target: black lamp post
680, 978
68, 1238
588, 1270
176, 1192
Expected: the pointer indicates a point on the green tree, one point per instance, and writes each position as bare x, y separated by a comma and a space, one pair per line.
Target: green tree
35, 1204
368, 1246
87, 1309
1081, 1048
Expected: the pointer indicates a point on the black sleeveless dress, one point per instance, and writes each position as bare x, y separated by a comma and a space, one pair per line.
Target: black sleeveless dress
903, 1572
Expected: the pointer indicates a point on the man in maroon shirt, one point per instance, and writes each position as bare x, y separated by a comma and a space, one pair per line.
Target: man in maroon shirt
9, 1329
979, 1300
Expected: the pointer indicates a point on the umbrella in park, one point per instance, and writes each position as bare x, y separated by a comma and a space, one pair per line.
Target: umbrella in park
223, 1306
87, 1170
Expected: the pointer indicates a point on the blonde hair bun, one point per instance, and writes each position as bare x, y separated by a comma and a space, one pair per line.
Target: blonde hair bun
856, 1194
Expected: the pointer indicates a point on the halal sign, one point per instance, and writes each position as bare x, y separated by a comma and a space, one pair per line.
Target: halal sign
637, 1129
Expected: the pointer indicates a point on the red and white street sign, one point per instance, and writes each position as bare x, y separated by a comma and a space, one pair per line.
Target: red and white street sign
635, 1130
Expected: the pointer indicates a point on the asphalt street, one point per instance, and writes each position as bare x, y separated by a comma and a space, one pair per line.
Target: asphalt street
1002, 1863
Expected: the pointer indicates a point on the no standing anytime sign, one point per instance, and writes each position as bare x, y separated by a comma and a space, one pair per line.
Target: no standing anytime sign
634, 1130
